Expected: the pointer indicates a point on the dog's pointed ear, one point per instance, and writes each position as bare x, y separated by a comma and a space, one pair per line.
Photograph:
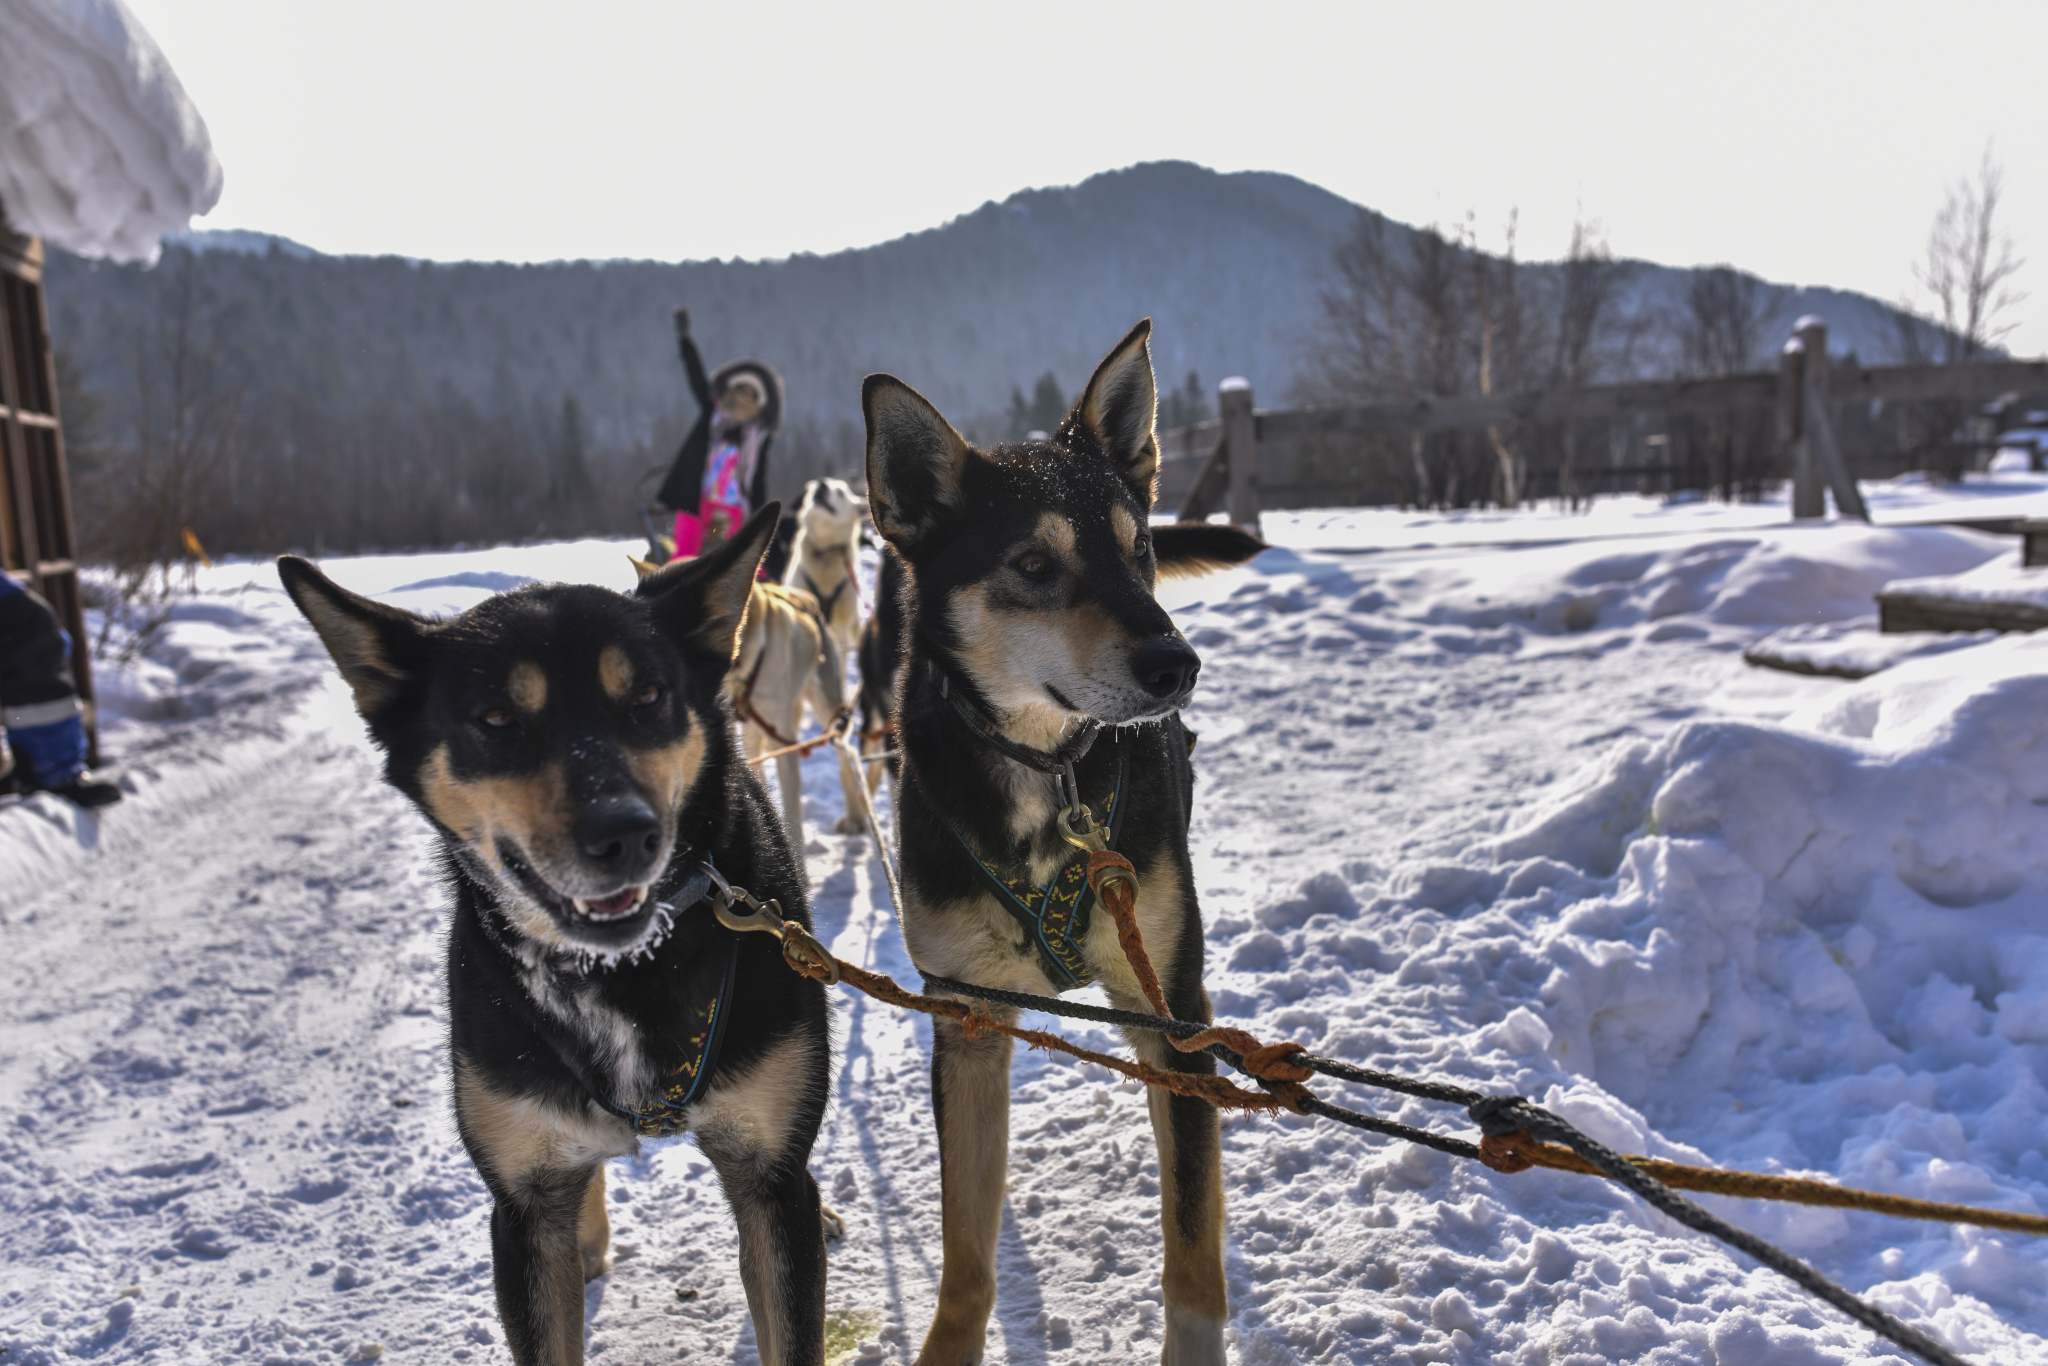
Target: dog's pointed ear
643, 569
705, 600
373, 644
915, 461
1186, 549
1119, 408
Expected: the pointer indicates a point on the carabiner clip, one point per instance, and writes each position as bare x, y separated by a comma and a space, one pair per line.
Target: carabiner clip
762, 916
1076, 823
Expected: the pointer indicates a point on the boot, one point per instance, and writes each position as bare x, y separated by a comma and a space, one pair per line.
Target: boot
89, 791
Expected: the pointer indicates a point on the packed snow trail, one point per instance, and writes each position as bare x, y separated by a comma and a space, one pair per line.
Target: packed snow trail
1517, 818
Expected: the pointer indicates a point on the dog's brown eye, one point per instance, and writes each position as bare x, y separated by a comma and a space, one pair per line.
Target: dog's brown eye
1033, 564
497, 718
1143, 547
648, 695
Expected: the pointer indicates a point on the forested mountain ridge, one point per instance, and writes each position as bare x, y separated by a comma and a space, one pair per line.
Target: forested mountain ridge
500, 392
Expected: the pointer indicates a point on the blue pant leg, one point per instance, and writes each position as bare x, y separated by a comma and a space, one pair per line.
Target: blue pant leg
38, 705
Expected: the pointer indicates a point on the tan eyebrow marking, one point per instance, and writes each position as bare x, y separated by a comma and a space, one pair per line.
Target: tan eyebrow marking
528, 687
1125, 526
1057, 532
615, 672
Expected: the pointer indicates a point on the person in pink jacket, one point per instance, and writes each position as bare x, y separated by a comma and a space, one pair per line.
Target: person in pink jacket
721, 473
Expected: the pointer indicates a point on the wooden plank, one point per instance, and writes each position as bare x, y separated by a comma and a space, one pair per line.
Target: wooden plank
1846, 384
1548, 405
1899, 612
1908, 383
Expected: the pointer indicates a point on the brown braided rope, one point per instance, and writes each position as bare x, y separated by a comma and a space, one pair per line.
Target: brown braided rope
817, 962
1116, 884
801, 748
1519, 1152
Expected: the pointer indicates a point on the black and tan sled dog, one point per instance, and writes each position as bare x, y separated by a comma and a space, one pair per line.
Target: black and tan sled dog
574, 749
1034, 642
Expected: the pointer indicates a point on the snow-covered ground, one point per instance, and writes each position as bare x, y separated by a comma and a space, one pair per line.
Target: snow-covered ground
1515, 816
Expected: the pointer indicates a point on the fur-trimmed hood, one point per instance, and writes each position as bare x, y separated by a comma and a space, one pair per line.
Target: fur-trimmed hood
765, 374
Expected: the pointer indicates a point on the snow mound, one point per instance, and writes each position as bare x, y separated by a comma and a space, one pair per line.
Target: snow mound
100, 150
1813, 946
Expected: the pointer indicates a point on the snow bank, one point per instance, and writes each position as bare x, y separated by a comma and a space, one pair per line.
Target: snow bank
1818, 945
100, 150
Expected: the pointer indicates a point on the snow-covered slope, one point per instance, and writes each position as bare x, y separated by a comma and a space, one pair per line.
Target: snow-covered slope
1516, 817
100, 150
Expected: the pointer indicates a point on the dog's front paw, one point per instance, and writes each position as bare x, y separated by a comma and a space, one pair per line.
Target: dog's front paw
596, 1264
849, 824
835, 1227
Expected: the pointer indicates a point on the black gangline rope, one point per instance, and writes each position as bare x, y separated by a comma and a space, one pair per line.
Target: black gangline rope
1495, 1116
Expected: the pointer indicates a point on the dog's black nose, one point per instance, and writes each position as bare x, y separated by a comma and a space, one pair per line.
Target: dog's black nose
1166, 667
619, 834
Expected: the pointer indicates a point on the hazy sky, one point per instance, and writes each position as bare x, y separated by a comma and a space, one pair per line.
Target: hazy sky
1809, 143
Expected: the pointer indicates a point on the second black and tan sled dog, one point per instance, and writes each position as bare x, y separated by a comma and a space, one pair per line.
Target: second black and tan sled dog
575, 751
1034, 642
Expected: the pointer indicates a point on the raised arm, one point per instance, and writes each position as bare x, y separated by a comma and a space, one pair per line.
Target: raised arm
693, 364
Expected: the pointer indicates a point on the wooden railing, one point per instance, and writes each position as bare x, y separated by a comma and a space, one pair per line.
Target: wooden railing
36, 537
1247, 459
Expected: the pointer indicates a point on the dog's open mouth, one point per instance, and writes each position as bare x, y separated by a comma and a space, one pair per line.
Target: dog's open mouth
607, 921
613, 907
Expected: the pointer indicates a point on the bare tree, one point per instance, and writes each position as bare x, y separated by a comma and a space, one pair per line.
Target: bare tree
1583, 305
1965, 276
1721, 321
1505, 345
1398, 318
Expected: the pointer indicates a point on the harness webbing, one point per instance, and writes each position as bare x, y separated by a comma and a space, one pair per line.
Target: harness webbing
1056, 916
1045, 761
702, 1037
828, 602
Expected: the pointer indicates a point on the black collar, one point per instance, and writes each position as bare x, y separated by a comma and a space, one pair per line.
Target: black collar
1045, 761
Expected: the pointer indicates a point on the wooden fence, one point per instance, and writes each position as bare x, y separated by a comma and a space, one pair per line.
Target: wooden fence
1818, 423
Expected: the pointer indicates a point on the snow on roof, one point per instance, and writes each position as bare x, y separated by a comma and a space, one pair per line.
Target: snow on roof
100, 150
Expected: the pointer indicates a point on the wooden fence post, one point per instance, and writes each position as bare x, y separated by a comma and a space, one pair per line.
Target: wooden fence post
1808, 499
1241, 439
1824, 453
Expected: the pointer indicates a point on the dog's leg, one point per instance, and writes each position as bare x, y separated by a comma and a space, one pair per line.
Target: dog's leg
782, 1249
789, 773
1189, 1138
594, 1229
547, 1213
537, 1267
849, 788
971, 1103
